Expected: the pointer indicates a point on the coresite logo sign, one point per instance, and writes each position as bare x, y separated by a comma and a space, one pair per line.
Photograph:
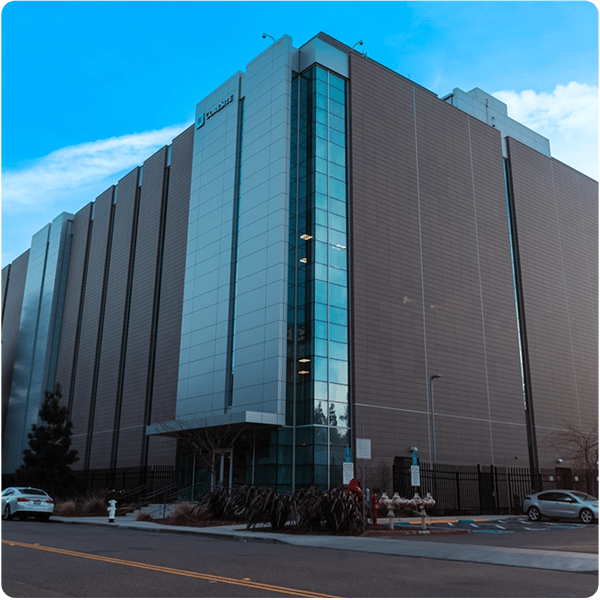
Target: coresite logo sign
203, 117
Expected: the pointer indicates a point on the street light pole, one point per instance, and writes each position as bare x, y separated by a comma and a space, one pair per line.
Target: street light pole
434, 457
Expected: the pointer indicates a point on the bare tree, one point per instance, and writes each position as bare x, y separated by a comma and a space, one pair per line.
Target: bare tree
205, 441
577, 444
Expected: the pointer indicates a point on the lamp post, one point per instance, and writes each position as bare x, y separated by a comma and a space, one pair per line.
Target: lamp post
434, 457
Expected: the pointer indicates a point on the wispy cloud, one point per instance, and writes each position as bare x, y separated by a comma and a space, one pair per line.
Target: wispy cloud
568, 117
61, 172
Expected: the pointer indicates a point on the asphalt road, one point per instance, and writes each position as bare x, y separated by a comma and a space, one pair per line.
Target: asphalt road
66, 560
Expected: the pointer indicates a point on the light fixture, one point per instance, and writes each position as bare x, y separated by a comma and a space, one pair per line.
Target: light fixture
306, 237
266, 35
359, 43
304, 260
304, 360
303, 372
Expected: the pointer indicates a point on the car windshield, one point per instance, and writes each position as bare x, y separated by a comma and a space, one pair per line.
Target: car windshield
583, 496
31, 492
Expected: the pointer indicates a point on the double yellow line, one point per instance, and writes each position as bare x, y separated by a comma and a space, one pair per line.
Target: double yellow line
245, 582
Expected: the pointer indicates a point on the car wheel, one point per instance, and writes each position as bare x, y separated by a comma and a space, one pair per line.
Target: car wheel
6, 514
534, 513
586, 515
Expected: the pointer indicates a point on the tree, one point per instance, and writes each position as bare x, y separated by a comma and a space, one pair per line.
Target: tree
206, 442
579, 445
47, 462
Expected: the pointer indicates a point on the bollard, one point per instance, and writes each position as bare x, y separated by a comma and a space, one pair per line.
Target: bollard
112, 509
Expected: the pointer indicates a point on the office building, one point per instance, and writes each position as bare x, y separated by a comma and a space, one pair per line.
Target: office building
302, 262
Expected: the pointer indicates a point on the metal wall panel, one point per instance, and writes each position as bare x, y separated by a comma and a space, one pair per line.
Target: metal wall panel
113, 330
91, 323
168, 332
133, 409
432, 278
13, 281
557, 222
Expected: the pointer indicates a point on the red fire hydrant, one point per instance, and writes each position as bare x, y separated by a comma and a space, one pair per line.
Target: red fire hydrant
375, 507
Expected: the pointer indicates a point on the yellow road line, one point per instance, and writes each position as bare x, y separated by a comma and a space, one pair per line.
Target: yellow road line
129, 563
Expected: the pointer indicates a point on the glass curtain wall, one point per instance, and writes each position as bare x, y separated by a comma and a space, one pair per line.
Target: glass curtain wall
317, 391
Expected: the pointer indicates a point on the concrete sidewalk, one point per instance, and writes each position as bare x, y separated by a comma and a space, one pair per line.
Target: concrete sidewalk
475, 553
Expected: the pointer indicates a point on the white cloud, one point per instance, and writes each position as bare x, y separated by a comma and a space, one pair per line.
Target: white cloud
66, 170
568, 117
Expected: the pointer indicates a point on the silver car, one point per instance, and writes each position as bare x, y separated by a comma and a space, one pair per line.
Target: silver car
26, 502
565, 504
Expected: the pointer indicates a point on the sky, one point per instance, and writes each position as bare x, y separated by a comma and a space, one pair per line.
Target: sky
91, 89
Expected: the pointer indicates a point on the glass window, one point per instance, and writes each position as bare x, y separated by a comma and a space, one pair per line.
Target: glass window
321, 165
321, 291
337, 188
337, 238
320, 390
337, 109
320, 369
320, 329
338, 350
337, 94
338, 371
321, 273
321, 217
320, 73
321, 101
337, 256
337, 123
338, 296
321, 252
338, 315
337, 171
320, 148
338, 333
321, 116
321, 201
321, 311
320, 451
338, 393
336, 82
337, 154
337, 137
321, 233
337, 207
321, 348
321, 130
338, 276
338, 413
337, 222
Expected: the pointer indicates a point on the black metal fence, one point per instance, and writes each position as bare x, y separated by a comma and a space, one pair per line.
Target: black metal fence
485, 489
150, 478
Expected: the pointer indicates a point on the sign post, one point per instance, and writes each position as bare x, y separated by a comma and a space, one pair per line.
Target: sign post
363, 451
415, 471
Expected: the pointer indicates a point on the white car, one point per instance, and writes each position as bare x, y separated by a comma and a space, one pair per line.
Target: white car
26, 502
557, 504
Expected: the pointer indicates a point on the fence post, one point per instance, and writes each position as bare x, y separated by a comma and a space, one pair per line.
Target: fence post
457, 489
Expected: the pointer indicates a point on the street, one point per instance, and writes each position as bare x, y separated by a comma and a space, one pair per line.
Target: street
78, 560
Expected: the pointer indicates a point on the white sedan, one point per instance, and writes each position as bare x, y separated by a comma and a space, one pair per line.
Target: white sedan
26, 502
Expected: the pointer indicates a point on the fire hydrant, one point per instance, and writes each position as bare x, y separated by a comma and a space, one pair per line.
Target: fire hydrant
374, 508
422, 504
112, 509
416, 503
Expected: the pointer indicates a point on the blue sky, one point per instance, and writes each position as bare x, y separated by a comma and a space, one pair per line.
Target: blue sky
91, 89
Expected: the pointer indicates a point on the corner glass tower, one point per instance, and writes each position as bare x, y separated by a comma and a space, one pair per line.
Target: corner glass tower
317, 373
